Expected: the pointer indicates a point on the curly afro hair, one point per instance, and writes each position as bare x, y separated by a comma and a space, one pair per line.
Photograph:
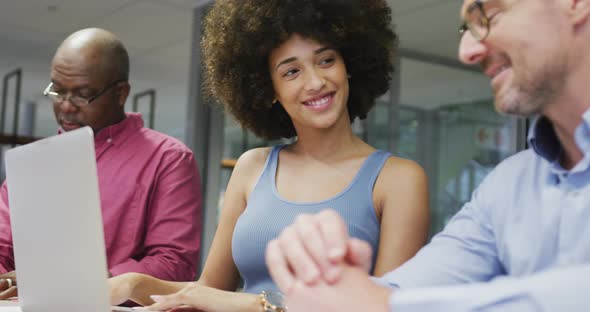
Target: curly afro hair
239, 36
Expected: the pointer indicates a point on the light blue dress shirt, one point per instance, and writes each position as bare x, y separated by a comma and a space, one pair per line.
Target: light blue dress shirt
522, 243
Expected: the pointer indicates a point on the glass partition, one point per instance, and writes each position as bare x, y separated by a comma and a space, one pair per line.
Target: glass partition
446, 122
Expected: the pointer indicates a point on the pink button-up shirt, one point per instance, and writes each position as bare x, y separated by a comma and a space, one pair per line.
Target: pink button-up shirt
151, 203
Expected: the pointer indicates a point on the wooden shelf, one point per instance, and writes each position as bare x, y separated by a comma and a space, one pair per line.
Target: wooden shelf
228, 163
16, 140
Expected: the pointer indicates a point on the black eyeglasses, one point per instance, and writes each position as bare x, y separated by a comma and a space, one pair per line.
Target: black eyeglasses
477, 22
75, 99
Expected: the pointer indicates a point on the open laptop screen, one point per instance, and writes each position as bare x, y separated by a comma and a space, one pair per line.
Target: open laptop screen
57, 224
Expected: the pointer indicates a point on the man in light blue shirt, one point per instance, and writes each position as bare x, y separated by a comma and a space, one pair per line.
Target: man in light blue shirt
522, 243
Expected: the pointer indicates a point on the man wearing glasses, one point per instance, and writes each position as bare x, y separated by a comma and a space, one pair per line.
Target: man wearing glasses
149, 183
522, 243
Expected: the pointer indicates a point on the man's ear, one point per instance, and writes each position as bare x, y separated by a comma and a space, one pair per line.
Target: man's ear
123, 93
579, 11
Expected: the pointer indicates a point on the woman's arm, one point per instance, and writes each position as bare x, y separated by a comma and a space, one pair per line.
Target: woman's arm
220, 270
401, 198
215, 290
220, 277
208, 299
138, 287
143, 288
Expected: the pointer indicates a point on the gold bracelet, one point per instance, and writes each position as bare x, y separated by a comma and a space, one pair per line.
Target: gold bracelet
268, 306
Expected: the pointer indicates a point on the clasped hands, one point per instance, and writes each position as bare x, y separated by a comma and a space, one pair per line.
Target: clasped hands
320, 268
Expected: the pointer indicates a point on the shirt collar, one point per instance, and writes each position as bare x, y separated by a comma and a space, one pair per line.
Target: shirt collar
543, 139
582, 134
118, 132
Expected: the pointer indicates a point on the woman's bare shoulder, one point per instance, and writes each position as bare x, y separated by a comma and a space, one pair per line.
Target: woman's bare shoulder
402, 168
251, 163
400, 175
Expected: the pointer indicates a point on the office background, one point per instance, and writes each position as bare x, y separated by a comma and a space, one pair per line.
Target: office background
437, 111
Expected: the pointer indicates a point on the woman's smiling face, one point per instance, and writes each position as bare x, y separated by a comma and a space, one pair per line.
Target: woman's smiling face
310, 81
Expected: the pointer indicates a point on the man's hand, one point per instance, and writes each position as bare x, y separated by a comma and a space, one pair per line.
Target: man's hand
314, 248
353, 292
8, 285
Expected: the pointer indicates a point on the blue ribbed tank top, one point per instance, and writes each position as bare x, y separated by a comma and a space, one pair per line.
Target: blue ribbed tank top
267, 214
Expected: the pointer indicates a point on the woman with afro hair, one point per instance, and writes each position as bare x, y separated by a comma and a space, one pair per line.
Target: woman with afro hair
302, 69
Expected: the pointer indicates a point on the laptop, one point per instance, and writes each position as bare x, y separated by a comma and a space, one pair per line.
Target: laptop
57, 225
